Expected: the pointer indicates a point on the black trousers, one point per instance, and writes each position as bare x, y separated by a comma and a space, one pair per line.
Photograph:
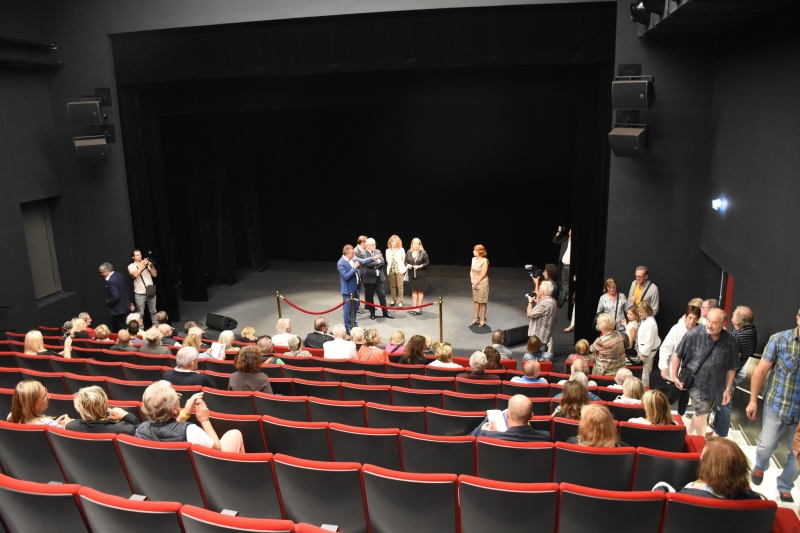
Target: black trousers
371, 289
119, 322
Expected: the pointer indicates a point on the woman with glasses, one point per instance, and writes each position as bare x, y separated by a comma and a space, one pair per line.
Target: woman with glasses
613, 303
29, 403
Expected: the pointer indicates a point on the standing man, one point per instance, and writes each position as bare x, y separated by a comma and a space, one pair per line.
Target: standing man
117, 299
778, 366
143, 271
711, 353
564, 255
374, 278
360, 253
348, 282
543, 314
746, 337
643, 290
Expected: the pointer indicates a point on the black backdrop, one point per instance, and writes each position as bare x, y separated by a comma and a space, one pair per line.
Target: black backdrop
497, 143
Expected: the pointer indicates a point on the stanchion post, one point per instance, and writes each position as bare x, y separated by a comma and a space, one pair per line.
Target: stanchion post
352, 311
441, 329
278, 297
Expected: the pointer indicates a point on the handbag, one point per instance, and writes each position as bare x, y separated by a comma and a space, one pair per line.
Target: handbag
150, 290
686, 376
405, 276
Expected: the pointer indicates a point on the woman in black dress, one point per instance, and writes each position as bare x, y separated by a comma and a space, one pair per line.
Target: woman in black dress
417, 263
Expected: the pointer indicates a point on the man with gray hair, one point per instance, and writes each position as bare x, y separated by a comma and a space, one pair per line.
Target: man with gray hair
118, 299
357, 336
87, 319
185, 372
746, 335
339, 347
542, 312
264, 344
374, 277
497, 342
705, 307
284, 329
643, 290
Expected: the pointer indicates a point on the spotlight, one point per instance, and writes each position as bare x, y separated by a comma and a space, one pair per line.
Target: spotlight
640, 11
719, 204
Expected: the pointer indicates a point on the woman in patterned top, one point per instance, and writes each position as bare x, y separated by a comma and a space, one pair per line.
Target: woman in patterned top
609, 348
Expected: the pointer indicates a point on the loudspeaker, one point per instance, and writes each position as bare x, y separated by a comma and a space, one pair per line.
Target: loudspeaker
515, 336
629, 142
91, 149
220, 323
85, 111
632, 94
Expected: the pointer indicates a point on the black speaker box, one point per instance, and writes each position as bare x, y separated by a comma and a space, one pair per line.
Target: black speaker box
220, 322
85, 111
629, 142
92, 149
632, 94
515, 336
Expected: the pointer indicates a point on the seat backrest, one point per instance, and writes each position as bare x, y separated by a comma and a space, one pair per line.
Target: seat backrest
99, 368
73, 366
142, 373
74, 382
608, 394
283, 407
146, 462
599, 468
130, 391
223, 366
405, 397
477, 386
219, 380
105, 512
397, 368
431, 383
479, 500
29, 506
369, 366
34, 362
452, 423
366, 445
61, 404
284, 386
351, 413
394, 416
622, 412
249, 425
231, 402
52, 381
368, 393
437, 454
434, 496
304, 362
111, 356
309, 373
357, 377
330, 390
564, 428
321, 362
320, 492
653, 466
517, 462
667, 438
9, 377
436, 371
197, 520
395, 380
458, 401
272, 371
243, 482
306, 440
154, 360
585, 509
25, 453
531, 390
603, 381
688, 514
91, 460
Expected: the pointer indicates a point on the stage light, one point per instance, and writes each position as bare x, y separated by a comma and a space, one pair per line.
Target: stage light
640, 11
719, 204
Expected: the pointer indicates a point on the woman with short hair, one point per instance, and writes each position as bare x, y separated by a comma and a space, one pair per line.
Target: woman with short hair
295, 345
98, 417
249, 334
632, 391
249, 376
102, 333
396, 344
369, 351
444, 357
609, 347
597, 428
29, 403
613, 303
477, 363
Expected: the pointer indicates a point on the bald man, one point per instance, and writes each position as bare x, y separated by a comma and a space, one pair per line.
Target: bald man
123, 342
518, 416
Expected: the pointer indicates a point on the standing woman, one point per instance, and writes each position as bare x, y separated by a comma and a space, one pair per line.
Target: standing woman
479, 278
396, 268
417, 263
647, 340
613, 303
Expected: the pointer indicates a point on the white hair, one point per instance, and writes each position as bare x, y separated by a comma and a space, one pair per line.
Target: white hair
185, 357
283, 324
580, 377
547, 288
339, 331
478, 359
133, 316
357, 333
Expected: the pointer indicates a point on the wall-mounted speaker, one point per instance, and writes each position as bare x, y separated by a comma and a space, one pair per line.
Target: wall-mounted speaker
629, 141
220, 322
633, 94
91, 149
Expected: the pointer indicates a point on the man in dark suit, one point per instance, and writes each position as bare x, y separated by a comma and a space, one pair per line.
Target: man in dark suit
348, 281
319, 336
374, 278
118, 299
518, 416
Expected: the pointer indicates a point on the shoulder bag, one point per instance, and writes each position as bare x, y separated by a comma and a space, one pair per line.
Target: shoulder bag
686, 376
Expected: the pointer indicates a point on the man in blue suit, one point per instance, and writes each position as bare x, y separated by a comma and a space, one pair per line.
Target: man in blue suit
348, 281
118, 299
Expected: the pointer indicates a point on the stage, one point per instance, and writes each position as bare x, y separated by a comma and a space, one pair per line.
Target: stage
314, 286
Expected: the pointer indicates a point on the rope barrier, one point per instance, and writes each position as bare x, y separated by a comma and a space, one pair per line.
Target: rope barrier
313, 312
396, 308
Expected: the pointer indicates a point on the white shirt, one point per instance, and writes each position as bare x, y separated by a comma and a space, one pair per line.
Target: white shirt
670, 343
439, 364
567, 253
647, 337
640, 420
196, 435
339, 349
282, 339
139, 282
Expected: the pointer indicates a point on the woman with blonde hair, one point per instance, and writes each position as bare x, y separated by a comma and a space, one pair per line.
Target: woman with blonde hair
29, 403
656, 410
194, 342
34, 345
417, 264
78, 330
103, 334
479, 279
369, 351
444, 356
580, 366
396, 268
249, 334
396, 344
581, 352
98, 417
597, 428
632, 391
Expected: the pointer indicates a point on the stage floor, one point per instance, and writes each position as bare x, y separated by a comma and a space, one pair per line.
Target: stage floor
313, 286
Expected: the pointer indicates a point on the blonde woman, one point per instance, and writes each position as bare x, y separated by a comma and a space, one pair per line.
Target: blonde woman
103, 333
396, 268
417, 263
370, 351
396, 344
632, 391
226, 339
479, 279
34, 345
97, 417
78, 330
249, 334
656, 410
444, 357
29, 403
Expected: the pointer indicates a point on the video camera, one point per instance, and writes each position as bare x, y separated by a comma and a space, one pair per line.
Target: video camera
534, 272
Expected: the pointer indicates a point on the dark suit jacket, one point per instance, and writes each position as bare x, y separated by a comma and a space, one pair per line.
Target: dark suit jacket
315, 339
518, 434
118, 299
563, 241
373, 271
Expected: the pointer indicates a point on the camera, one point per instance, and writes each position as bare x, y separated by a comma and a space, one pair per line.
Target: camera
149, 256
563, 230
533, 271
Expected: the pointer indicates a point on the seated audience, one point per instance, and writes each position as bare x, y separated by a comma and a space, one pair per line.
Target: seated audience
124, 342
162, 319
200, 332
88, 321
248, 334
98, 417
28, 404
632, 391
249, 376
535, 351
517, 416
580, 366
133, 331
477, 362
357, 336
78, 330
497, 343
185, 371
339, 347
581, 352
284, 328
428, 345
153, 346
167, 422
574, 396
397, 343
134, 317
492, 358
320, 335
226, 338
370, 351
531, 367
167, 339
620, 377
656, 410
414, 354
581, 378
608, 348
102, 333
444, 357
188, 326
295, 346
191, 341
264, 345
34, 344
597, 428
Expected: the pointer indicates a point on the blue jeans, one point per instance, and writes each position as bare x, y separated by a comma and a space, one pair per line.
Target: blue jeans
772, 430
722, 416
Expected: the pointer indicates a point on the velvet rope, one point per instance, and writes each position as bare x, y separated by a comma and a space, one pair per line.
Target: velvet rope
313, 312
396, 308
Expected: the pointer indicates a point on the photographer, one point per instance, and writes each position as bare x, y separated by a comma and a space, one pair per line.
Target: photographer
143, 271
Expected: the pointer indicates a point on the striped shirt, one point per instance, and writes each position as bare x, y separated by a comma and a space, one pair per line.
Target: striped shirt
747, 338
783, 383
543, 318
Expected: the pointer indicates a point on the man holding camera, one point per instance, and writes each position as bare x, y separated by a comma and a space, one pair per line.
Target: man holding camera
144, 291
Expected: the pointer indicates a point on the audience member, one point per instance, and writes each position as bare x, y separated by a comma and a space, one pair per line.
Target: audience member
542, 312
581, 378
643, 290
370, 351
414, 352
102, 334
167, 338
705, 307
339, 347
597, 428
581, 352
188, 326
580, 366
477, 362
295, 346
248, 334
609, 347
497, 342
167, 422
632, 391
97, 417
397, 343
746, 337
574, 396
153, 346
264, 345
517, 417
284, 328
320, 335
428, 345
631, 327
667, 351
647, 340
28, 404
531, 367
123, 342
34, 344
248, 375
620, 377
87, 319
492, 358
535, 351
133, 330
78, 330
185, 371
656, 410
162, 319
357, 336
444, 357
614, 304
